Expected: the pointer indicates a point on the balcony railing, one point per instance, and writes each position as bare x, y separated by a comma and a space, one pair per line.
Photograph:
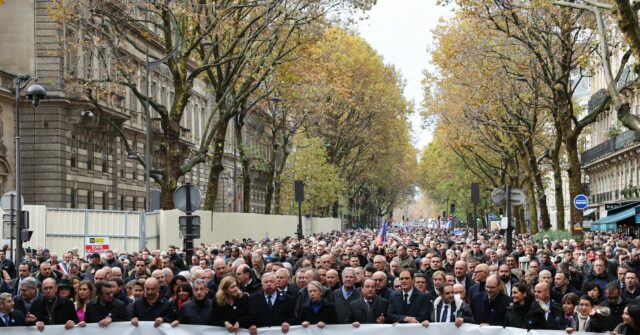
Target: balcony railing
612, 145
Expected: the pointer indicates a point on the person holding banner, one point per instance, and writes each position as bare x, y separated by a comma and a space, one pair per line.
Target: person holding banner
8, 316
152, 307
105, 308
449, 308
231, 308
409, 305
369, 308
318, 310
54, 310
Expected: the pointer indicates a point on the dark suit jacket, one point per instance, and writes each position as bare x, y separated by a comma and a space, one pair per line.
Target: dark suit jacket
20, 306
282, 310
418, 306
16, 318
292, 291
490, 312
95, 311
358, 311
342, 305
326, 314
240, 312
475, 289
62, 311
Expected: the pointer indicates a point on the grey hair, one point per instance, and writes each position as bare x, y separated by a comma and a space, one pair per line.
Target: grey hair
29, 282
352, 270
4, 297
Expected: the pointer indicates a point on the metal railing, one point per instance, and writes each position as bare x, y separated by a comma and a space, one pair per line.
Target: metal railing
612, 145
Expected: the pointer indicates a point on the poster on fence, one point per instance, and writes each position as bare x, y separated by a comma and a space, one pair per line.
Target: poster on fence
99, 244
146, 328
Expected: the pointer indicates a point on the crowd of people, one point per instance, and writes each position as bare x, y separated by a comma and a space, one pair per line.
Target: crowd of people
349, 277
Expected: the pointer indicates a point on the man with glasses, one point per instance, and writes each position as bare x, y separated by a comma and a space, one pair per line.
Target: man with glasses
480, 276
382, 289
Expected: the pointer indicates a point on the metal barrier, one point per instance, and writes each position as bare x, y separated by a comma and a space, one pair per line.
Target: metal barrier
65, 228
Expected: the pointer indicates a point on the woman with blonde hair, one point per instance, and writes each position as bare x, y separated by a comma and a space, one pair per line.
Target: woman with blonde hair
86, 292
318, 311
231, 306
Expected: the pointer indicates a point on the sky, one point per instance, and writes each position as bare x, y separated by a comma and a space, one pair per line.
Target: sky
400, 30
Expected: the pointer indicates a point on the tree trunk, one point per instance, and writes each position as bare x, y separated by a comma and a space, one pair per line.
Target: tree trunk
557, 186
271, 171
575, 178
214, 171
533, 205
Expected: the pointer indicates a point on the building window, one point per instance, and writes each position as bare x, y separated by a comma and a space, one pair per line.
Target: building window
122, 203
105, 163
135, 204
105, 200
74, 198
90, 199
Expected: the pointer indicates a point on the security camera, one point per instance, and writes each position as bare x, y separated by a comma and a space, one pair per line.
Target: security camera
86, 113
36, 93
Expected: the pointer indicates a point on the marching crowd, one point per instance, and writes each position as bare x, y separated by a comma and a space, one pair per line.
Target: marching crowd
349, 277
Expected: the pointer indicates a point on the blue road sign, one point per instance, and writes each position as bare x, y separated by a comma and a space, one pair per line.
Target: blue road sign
581, 201
491, 217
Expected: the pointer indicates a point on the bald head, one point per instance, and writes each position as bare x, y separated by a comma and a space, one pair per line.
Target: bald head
541, 292
481, 272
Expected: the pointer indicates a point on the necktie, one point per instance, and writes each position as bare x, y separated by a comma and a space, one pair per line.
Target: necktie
369, 304
269, 302
5, 319
445, 314
406, 298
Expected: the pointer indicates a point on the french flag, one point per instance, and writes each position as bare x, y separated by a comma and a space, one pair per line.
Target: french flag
383, 233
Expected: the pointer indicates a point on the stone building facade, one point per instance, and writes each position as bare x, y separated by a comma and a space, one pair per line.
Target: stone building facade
72, 157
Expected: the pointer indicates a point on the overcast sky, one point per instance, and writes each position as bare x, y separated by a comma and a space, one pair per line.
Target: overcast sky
400, 30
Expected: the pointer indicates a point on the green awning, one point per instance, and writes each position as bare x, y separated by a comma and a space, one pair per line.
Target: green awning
625, 214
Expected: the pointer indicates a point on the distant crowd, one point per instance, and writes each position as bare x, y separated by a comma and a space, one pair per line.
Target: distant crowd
351, 277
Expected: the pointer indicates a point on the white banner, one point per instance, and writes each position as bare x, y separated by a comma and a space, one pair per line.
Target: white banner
146, 328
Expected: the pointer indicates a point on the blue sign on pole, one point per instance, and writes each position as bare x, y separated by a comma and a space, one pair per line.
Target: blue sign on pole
491, 217
581, 201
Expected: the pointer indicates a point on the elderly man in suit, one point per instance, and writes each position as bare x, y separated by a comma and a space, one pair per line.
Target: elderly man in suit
489, 307
269, 308
8, 316
346, 294
449, 308
408, 305
54, 310
369, 308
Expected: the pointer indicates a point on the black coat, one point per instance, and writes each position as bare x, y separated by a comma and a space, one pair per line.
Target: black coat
240, 312
55, 312
491, 312
97, 311
16, 318
281, 312
594, 324
536, 317
418, 306
196, 312
326, 314
20, 305
163, 308
458, 310
514, 315
358, 311
341, 304
615, 312
292, 291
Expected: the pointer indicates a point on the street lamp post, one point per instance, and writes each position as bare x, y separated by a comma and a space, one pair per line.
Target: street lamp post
35, 93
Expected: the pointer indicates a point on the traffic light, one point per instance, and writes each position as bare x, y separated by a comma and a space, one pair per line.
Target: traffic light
25, 235
24, 218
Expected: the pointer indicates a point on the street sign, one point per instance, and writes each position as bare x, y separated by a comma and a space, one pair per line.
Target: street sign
581, 201
5, 201
187, 198
491, 217
499, 196
518, 197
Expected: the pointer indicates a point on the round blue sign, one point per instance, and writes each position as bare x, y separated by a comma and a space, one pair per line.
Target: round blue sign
581, 201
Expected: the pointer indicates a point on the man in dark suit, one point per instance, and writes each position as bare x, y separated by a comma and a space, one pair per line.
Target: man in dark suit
408, 305
449, 308
269, 308
461, 275
480, 275
369, 308
27, 297
54, 310
105, 309
283, 286
382, 287
346, 294
489, 307
548, 317
8, 316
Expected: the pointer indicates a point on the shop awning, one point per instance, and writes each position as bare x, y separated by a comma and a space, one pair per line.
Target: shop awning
589, 211
614, 218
